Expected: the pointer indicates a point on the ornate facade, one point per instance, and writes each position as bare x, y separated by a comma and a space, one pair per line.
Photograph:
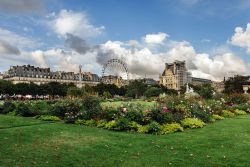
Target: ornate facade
27, 74
175, 75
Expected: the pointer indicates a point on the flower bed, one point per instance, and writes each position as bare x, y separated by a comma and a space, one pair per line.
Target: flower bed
167, 115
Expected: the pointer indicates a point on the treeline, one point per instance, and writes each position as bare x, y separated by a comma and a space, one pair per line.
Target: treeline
135, 89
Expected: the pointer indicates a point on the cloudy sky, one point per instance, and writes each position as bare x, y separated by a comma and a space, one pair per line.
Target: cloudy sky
212, 36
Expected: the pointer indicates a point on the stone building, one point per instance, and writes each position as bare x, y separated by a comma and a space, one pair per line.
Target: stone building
37, 75
175, 75
111, 79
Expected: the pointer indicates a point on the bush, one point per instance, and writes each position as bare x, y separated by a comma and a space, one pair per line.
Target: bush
239, 112
134, 126
154, 127
227, 114
101, 123
217, 117
202, 114
39, 107
7, 107
92, 107
110, 113
192, 123
170, 128
49, 118
23, 109
110, 125
238, 98
142, 129
136, 116
161, 117
152, 92
122, 124
86, 122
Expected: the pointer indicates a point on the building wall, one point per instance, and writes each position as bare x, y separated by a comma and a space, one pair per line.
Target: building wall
175, 75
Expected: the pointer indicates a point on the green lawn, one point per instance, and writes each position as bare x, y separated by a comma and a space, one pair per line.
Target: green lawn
224, 143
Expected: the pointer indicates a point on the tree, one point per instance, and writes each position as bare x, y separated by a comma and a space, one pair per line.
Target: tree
234, 84
107, 95
136, 89
206, 91
153, 91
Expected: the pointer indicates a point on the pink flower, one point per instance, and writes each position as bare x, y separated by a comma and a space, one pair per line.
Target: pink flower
165, 110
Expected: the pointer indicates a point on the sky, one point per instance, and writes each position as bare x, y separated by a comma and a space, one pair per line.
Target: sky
212, 36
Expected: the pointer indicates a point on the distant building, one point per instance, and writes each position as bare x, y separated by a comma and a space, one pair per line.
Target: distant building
200, 81
111, 79
37, 75
1, 76
175, 75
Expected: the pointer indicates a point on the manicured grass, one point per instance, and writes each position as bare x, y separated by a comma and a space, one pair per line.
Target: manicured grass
145, 104
224, 143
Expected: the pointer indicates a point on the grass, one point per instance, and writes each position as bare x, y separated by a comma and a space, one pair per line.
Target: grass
144, 104
224, 143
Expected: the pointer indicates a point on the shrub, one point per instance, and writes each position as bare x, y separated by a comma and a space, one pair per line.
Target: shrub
154, 127
143, 129
136, 116
110, 125
79, 122
202, 114
227, 114
161, 117
110, 113
239, 112
192, 123
92, 107
217, 117
39, 107
23, 109
85, 122
101, 123
7, 107
49, 118
122, 124
170, 128
134, 126
238, 98
90, 122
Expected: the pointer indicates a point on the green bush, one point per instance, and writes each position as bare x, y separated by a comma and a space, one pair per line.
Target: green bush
170, 128
157, 115
7, 107
154, 127
23, 109
79, 122
192, 123
136, 116
86, 122
239, 112
101, 123
227, 114
49, 118
110, 113
110, 125
217, 117
92, 107
39, 107
142, 129
134, 126
122, 124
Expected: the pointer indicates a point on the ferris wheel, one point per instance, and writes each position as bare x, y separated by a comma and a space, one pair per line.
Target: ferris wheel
115, 67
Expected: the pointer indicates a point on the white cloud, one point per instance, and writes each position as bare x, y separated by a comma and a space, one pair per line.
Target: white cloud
21, 6
241, 38
38, 57
17, 40
155, 38
75, 23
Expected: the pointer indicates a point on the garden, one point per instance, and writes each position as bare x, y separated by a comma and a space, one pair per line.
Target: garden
162, 115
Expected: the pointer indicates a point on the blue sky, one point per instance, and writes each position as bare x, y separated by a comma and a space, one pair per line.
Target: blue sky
198, 31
